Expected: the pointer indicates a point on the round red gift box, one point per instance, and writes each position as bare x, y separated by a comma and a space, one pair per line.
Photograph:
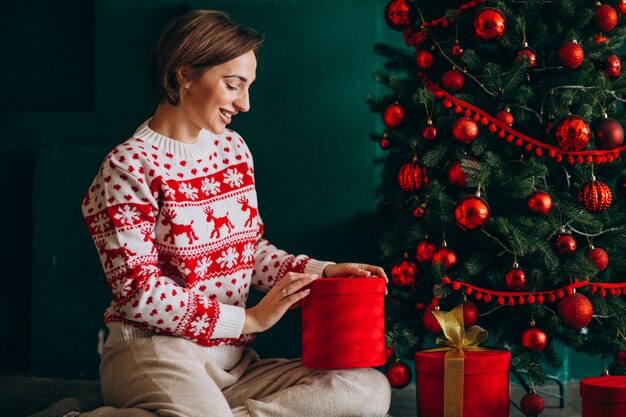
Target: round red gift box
343, 323
603, 396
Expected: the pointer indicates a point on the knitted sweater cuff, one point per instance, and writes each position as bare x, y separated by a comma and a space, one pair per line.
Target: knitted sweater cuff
230, 323
316, 267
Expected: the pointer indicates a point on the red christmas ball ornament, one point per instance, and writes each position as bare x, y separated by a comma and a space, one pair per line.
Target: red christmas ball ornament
430, 131
612, 66
403, 275
531, 56
464, 130
571, 55
397, 14
489, 24
470, 314
444, 256
532, 404
385, 143
605, 18
456, 176
412, 177
505, 117
539, 203
572, 133
620, 187
453, 80
595, 196
398, 374
457, 50
430, 322
425, 251
599, 38
534, 339
394, 115
424, 59
575, 311
621, 6
515, 278
599, 257
471, 212
609, 133
565, 243
418, 212
620, 357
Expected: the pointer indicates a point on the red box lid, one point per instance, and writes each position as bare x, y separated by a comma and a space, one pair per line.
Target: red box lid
476, 362
608, 389
358, 285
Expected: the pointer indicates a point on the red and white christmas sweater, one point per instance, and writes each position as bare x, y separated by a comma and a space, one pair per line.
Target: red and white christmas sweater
180, 240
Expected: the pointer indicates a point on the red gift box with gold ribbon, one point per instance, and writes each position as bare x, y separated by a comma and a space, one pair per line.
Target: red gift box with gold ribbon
604, 396
343, 323
462, 379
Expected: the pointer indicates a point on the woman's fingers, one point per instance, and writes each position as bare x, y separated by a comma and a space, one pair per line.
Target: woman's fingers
296, 284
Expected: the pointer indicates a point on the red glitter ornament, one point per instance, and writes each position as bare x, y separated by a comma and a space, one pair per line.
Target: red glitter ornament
397, 14
470, 314
430, 322
565, 243
398, 374
620, 357
612, 66
489, 24
464, 130
531, 56
605, 18
595, 196
515, 278
430, 131
425, 251
599, 257
575, 311
609, 133
534, 339
403, 275
572, 133
456, 176
571, 55
621, 6
412, 177
424, 59
453, 80
505, 117
539, 203
444, 256
471, 212
394, 115
532, 404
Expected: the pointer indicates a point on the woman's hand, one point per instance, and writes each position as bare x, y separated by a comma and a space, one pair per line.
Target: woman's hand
287, 292
354, 270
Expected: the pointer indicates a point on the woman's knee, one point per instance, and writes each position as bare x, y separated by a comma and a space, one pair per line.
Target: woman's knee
371, 390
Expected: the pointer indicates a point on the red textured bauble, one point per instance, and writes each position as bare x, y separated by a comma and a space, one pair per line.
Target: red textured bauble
539, 203
397, 14
620, 357
609, 133
425, 251
464, 130
445, 257
412, 177
453, 80
471, 212
398, 374
571, 55
394, 115
534, 339
505, 117
575, 311
595, 196
612, 66
515, 279
403, 275
572, 133
470, 314
620, 187
430, 323
424, 59
430, 132
605, 18
532, 404
489, 24
565, 244
599, 257
531, 56
621, 6
456, 176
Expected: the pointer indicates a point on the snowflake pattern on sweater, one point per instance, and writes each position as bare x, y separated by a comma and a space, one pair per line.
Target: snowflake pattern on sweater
179, 236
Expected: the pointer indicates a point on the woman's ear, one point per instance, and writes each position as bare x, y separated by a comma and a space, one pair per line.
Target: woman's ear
183, 78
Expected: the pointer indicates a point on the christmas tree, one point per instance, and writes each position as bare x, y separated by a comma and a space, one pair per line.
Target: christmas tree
503, 180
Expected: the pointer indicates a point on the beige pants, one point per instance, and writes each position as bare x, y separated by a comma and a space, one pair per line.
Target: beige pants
168, 376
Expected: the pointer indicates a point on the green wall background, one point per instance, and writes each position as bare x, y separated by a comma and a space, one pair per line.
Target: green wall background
75, 83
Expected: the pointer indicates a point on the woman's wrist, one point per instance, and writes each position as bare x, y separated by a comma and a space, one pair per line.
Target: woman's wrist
250, 324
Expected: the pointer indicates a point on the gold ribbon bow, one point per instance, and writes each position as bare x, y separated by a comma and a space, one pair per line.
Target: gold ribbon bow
456, 340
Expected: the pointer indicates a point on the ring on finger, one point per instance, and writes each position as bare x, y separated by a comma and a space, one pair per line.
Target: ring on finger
284, 293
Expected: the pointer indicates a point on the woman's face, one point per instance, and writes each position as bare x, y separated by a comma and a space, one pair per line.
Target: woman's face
220, 93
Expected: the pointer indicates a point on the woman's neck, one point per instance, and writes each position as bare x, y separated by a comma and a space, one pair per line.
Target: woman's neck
172, 122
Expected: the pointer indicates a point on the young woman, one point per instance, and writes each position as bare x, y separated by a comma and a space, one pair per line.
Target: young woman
173, 212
